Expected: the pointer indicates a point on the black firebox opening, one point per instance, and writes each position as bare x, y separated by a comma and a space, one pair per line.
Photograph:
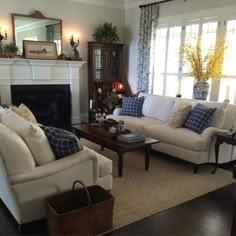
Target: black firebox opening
51, 104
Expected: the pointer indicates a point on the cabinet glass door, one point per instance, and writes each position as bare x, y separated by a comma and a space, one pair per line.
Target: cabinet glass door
116, 64
100, 58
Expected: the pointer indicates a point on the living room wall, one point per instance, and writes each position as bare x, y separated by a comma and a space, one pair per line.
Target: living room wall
76, 18
169, 12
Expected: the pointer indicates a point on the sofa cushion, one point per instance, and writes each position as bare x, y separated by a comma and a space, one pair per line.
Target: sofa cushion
158, 107
25, 113
136, 124
182, 137
179, 115
199, 118
32, 134
63, 143
15, 153
132, 106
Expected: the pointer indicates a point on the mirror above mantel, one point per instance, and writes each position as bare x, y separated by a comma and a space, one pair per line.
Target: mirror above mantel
36, 27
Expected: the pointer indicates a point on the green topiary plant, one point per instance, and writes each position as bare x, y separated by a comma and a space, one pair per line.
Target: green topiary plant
10, 49
106, 33
111, 100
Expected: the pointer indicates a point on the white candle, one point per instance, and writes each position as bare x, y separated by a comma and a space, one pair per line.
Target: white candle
90, 104
227, 92
179, 86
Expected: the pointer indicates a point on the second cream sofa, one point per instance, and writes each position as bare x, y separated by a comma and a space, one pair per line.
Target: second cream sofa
181, 142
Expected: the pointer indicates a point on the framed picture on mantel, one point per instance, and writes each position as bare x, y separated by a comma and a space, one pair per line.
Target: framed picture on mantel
40, 50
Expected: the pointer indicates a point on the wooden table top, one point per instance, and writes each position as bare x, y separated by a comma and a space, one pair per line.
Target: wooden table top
85, 131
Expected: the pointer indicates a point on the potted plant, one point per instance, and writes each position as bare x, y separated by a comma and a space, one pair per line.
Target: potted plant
10, 49
110, 101
106, 33
204, 65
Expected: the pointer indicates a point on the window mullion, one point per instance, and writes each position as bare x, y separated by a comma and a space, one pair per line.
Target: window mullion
215, 85
166, 61
181, 55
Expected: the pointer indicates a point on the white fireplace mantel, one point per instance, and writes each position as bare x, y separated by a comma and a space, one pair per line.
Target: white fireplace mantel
19, 71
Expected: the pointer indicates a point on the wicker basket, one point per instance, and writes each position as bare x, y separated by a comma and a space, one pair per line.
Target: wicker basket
85, 211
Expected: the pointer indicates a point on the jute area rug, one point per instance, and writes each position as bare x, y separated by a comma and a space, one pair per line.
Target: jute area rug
168, 182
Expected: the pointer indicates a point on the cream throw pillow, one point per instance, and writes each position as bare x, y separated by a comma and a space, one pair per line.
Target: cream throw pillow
25, 113
32, 134
179, 115
158, 107
15, 153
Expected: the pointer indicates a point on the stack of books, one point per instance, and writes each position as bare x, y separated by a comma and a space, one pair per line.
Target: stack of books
131, 137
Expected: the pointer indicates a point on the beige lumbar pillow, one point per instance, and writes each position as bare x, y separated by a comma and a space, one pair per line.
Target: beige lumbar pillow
179, 115
32, 134
25, 113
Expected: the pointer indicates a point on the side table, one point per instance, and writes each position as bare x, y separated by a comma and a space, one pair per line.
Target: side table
222, 138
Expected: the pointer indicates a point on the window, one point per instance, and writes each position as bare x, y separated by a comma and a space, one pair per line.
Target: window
168, 74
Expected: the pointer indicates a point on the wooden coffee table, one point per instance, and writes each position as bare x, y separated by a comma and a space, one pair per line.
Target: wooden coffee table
116, 145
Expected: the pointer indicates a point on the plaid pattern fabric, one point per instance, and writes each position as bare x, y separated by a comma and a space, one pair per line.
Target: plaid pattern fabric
63, 143
132, 106
199, 118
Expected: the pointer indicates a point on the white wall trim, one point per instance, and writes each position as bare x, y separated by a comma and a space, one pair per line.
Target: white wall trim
104, 3
225, 11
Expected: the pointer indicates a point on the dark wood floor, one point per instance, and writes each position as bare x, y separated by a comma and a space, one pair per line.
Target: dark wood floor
210, 214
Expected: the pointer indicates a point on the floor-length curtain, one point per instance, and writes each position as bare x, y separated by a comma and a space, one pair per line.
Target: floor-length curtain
148, 25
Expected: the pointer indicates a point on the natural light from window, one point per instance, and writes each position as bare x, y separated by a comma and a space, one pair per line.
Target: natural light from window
170, 76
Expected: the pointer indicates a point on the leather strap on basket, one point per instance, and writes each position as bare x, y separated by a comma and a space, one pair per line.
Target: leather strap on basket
85, 189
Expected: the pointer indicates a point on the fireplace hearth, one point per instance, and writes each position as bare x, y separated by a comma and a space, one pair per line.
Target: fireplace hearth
51, 104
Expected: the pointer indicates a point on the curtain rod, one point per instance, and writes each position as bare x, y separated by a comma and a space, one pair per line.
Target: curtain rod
150, 4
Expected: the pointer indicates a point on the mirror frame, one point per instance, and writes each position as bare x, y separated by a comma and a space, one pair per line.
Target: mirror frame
35, 15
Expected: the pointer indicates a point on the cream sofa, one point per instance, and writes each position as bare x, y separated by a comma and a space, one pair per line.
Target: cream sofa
181, 142
24, 185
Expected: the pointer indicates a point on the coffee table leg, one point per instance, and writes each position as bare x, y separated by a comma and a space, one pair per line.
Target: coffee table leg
120, 164
147, 156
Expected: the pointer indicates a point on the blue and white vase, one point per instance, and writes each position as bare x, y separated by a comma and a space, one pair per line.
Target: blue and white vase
201, 90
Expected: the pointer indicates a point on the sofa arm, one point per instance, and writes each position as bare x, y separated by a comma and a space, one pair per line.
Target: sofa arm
117, 111
209, 132
57, 166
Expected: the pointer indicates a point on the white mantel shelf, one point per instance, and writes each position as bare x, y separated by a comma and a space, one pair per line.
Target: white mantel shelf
18, 71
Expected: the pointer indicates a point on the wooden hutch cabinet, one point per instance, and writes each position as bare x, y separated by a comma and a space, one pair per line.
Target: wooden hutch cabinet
105, 63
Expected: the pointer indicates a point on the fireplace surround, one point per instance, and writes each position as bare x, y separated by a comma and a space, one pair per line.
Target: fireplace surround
53, 74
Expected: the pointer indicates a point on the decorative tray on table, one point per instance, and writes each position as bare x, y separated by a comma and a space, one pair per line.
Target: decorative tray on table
105, 132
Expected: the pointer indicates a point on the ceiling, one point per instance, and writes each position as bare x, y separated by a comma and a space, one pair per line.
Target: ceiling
116, 3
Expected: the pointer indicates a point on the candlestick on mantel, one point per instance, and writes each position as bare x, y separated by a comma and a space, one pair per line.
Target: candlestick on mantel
74, 46
2, 38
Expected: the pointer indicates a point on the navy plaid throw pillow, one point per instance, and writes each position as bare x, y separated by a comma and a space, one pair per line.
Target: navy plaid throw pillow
63, 143
132, 106
199, 118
